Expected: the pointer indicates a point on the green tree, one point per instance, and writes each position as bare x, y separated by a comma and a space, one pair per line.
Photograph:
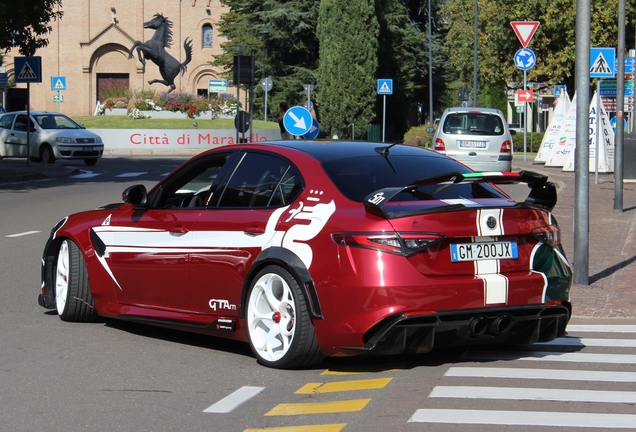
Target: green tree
25, 24
404, 57
346, 92
553, 43
283, 30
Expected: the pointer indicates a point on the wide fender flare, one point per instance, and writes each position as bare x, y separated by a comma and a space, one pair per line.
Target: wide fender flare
291, 262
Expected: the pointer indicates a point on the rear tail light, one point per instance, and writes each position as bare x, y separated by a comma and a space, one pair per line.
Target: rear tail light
398, 243
550, 235
439, 145
506, 147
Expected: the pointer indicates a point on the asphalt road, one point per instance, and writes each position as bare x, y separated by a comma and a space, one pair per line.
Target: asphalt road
116, 376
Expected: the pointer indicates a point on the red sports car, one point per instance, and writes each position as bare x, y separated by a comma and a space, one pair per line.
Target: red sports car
307, 249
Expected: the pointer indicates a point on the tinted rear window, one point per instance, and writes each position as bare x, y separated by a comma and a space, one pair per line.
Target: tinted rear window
473, 123
358, 177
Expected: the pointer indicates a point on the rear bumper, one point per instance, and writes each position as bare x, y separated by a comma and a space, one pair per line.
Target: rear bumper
420, 333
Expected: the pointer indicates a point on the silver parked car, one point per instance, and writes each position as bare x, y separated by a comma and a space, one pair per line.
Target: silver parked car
477, 137
53, 136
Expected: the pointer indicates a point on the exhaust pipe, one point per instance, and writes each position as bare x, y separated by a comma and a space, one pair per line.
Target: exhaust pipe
478, 326
500, 325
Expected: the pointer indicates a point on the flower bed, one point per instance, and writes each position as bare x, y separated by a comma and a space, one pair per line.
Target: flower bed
150, 104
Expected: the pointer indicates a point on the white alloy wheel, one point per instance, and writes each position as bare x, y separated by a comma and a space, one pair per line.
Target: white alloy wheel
271, 317
61, 277
73, 298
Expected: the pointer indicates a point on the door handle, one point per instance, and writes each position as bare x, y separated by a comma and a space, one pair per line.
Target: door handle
254, 230
179, 230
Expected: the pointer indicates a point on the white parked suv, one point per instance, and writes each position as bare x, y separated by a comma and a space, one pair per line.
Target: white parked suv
477, 137
53, 136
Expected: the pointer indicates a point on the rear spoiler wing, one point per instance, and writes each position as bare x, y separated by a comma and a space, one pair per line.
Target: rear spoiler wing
542, 192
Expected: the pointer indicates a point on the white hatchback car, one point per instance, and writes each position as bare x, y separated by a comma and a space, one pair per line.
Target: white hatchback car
477, 137
53, 136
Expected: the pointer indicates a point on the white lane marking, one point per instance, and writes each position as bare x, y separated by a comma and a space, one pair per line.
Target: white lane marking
85, 174
591, 342
533, 394
165, 174
231, 402
525, 418
22, 234
131, 174
553, 356
602, 328
547, 374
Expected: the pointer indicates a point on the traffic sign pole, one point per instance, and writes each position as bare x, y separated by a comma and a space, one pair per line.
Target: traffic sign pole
383, 118
525, 117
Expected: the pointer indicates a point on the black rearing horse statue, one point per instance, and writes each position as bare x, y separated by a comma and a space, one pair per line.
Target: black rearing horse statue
155, 51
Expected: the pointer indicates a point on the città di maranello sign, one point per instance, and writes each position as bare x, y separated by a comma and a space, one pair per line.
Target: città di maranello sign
175, 140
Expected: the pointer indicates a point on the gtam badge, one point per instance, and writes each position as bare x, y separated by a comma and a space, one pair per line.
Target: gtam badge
491, 222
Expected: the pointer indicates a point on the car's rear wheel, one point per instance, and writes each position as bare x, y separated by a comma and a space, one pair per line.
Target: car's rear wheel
46, 154
280, 331
73, 298
90, 161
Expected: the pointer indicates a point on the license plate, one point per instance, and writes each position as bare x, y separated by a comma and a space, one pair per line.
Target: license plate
472, 144
484, 251
88, 149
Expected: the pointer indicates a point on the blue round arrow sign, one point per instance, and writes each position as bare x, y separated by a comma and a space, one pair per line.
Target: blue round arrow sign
525, 59
297, 120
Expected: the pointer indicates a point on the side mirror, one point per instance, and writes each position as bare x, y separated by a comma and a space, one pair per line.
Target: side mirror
135, 195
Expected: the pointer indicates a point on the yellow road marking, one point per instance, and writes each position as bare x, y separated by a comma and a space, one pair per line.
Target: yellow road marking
331, 387
318, 408
336, 427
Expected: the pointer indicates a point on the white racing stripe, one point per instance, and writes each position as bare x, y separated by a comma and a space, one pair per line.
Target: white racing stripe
22, 234
545, 374
525, 418
233, 401
534, 394
495, 284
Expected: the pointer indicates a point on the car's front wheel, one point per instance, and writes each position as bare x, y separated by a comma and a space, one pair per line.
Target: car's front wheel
73, 298
46, 154
280, 331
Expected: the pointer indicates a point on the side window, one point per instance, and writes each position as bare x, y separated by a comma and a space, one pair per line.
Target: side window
192, 189
21, 123
5, 121
261, 181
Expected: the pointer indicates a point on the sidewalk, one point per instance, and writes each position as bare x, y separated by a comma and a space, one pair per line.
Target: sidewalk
611, 292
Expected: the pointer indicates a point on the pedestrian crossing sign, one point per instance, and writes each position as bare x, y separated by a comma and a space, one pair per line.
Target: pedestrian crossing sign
58, 83
385, 86
28, 69
602, 62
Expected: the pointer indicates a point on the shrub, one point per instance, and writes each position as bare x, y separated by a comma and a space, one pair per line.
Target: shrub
533, 141
418, 136
117, 92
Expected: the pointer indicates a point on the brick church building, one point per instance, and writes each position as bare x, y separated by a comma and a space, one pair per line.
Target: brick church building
90, 46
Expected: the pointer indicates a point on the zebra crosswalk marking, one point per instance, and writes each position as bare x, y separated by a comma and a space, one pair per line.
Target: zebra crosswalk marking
534, 394
545, 374
525, 418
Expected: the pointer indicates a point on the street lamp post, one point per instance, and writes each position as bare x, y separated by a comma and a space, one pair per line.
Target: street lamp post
264, 34
430, 68
475, 49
